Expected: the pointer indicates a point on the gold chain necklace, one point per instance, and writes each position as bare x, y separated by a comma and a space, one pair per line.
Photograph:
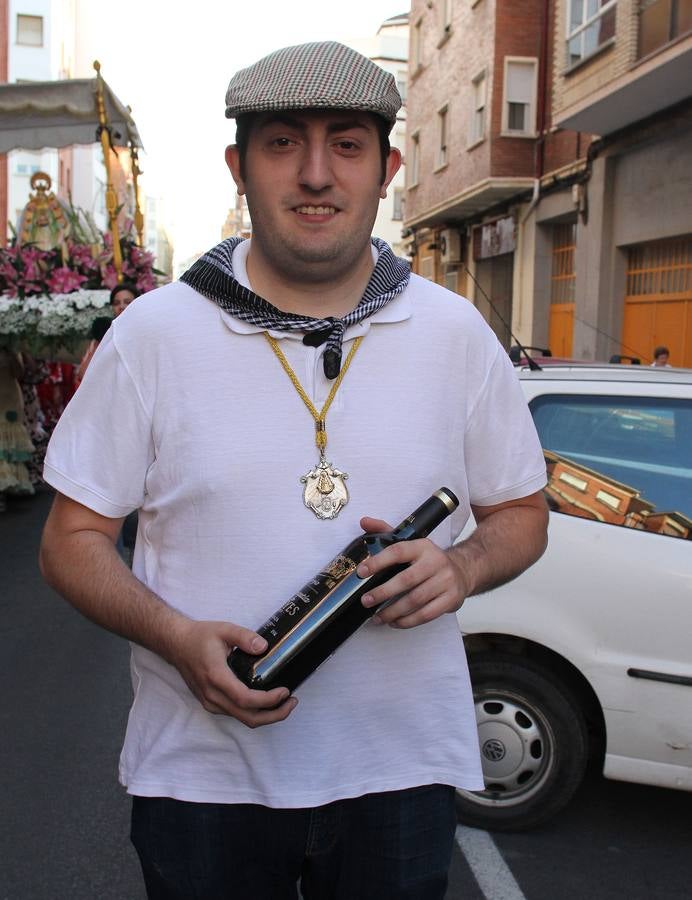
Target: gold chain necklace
325, 490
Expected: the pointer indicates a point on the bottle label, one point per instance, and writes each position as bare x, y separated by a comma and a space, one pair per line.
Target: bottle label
338, 567
309, 597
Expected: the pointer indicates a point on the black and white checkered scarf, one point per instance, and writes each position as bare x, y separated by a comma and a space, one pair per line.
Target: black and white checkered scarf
212, 276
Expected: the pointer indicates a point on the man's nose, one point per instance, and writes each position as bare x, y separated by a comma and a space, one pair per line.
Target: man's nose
315, 170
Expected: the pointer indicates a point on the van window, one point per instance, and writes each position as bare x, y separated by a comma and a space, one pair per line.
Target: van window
626, 461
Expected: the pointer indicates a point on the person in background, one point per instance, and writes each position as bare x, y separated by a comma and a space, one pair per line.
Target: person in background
16, 448
121, 296
34, 419
55, 390
194, 411
661, 356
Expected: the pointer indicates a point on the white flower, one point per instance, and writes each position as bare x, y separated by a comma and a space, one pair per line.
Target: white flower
58, 316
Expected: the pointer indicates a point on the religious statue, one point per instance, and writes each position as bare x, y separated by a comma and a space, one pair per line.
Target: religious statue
43, 221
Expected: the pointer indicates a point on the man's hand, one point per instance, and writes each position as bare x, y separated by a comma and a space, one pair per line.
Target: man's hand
431, 585
509, 537
199, 652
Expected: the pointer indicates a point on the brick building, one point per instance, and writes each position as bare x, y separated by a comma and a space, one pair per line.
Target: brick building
47, 41
4, 57
537, 133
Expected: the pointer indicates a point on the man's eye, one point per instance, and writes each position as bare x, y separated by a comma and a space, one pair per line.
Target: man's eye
282, 142
348, 145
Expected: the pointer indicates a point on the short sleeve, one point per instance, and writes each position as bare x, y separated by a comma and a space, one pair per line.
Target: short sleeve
102, 446
503, 455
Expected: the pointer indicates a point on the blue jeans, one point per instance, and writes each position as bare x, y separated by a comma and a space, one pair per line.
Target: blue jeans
390, 846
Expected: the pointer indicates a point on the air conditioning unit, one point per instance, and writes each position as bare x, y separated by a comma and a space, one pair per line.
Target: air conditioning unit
450, 246
409, 245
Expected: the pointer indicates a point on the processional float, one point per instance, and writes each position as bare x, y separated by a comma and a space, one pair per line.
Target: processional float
57, 114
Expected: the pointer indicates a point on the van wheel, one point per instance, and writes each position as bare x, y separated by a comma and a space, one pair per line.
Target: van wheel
533, 740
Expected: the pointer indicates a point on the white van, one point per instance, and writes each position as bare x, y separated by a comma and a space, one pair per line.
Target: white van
589, 653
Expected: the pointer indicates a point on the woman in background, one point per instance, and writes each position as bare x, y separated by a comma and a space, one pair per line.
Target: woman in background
121, 297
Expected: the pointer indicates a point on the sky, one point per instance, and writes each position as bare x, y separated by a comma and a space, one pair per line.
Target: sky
172, 63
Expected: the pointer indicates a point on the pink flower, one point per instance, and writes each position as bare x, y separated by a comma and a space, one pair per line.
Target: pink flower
146, 282
31, 271
7, 270
109, 277
26, 270
31, 287
141, 258
82, 257
63, 280
33, 262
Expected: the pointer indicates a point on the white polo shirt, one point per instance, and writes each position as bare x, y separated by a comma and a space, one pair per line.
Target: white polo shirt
186, 414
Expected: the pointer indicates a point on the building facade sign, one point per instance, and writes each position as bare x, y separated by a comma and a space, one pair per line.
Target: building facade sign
494, 238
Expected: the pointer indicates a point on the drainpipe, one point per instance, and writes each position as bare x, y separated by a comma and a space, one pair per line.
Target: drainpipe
541, 112
539, 163
542, 90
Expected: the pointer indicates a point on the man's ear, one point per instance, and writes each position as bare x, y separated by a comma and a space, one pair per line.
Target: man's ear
392, 167
233, 162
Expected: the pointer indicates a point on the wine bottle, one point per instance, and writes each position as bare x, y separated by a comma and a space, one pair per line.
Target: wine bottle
327, 610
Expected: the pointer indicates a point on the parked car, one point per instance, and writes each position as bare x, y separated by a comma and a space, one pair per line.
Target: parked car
588, 654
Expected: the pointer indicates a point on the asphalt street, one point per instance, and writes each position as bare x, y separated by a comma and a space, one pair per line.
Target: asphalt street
64, 831
64, 823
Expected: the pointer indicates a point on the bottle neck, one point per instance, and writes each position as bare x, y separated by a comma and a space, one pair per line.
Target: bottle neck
427, 517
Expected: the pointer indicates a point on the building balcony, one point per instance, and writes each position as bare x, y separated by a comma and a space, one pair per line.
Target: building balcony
652, 84
471, 201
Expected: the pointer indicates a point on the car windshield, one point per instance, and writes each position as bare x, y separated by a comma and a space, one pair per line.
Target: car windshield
622, 460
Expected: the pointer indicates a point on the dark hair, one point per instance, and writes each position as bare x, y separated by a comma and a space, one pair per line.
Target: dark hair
124, 286
244, 124
659, 351
99, 327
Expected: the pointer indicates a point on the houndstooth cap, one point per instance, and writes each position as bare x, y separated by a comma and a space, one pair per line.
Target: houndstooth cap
319, 75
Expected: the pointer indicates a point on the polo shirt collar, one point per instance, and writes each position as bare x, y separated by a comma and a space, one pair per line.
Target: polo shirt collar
397, 310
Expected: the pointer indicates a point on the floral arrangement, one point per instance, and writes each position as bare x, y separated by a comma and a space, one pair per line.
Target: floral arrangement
61, 319
51, 297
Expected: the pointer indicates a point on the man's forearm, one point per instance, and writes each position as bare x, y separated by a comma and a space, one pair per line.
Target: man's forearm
503, 545
86, 569
82, 564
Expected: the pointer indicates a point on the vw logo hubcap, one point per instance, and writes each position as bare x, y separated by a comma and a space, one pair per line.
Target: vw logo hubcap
493, 750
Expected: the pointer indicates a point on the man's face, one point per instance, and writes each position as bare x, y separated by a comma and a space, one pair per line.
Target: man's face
313, 181
661, 359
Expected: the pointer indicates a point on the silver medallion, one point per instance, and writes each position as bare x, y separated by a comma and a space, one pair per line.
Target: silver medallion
325, 491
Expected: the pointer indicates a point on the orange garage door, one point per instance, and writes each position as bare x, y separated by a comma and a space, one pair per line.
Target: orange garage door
658, 302
562, 281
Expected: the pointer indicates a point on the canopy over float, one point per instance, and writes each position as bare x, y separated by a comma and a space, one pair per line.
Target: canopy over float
74, 111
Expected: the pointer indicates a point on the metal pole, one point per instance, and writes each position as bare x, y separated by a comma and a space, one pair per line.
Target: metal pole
136, 171
111, 199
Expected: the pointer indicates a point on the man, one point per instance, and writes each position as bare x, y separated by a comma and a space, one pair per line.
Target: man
351, 790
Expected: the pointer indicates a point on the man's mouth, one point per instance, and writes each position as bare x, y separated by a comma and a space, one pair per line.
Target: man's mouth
316, 210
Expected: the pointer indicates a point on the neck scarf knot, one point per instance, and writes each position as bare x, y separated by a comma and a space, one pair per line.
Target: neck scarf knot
212, 276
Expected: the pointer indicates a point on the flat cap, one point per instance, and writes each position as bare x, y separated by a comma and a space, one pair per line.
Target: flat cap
319, 75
